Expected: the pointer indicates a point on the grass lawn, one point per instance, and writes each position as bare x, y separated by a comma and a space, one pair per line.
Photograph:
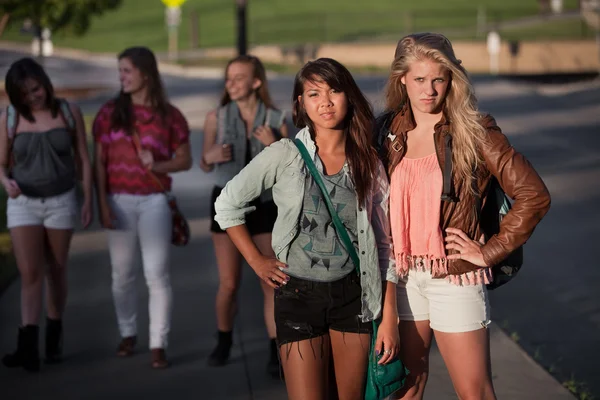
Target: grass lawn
142, 22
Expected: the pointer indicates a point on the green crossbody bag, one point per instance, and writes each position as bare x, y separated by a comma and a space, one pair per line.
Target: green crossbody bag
382, 380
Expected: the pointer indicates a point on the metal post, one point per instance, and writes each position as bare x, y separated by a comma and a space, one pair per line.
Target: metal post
173, 19
242, 40
173, 39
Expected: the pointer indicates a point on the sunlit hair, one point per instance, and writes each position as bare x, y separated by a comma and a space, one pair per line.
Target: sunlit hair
460, 104
362, 157
258, 72
18, 74
144, 60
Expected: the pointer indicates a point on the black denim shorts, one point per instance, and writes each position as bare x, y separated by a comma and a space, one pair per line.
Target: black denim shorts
258, 221
308, 309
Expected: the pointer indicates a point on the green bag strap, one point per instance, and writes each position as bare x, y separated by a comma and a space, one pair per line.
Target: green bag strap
339, 226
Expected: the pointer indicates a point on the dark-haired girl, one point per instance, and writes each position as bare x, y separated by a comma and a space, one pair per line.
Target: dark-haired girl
132, 205
244, 124
42, 144
321, 302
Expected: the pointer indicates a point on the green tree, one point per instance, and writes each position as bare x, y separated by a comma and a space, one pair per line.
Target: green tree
72, 16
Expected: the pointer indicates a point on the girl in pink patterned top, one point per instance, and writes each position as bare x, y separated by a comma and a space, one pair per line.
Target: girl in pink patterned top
132, 205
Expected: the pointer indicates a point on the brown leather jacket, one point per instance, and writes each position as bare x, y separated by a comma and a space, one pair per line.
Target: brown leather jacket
516, 176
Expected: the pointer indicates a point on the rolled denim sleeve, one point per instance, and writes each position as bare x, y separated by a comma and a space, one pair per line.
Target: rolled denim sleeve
260, 174
380, 221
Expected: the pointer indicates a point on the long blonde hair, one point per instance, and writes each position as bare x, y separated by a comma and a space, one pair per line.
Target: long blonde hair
460, 104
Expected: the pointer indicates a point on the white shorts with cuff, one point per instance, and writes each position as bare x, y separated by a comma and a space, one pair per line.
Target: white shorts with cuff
449, 308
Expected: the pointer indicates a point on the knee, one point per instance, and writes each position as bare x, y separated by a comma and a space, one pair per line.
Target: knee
122, 279
158, 280
32, 278
228, 287
57, 270
475, 391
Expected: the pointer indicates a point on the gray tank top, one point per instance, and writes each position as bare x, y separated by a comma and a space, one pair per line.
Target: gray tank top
44, 164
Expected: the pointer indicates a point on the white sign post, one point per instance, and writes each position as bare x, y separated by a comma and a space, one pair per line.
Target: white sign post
46, 48
173, 20
493, 48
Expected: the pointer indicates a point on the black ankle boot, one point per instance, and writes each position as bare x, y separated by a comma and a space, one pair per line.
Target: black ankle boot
54, 340
220, 354
27, 354
274, 366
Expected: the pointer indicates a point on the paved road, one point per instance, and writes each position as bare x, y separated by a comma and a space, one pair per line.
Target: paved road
552, 308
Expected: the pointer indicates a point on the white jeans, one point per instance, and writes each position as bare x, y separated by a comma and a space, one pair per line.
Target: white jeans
148, 218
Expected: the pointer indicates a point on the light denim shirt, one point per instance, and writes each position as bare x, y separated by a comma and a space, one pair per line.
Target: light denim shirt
280, 167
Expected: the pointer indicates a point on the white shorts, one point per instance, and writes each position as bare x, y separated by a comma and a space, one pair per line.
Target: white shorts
56, 212
449, 308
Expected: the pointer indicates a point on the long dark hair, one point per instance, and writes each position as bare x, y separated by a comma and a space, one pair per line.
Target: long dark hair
362, 157
258, 72
19, 72
144, 60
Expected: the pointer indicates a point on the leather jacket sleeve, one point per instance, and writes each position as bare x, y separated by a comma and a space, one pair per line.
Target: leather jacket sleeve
521, 182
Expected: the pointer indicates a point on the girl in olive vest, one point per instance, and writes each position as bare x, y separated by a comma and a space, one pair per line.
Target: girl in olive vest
245, 123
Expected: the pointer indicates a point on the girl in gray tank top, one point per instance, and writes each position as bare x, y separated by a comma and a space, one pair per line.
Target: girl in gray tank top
244, 124
42, 150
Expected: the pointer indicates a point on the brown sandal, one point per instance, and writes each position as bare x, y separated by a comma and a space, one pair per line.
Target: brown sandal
159, 359
126, 346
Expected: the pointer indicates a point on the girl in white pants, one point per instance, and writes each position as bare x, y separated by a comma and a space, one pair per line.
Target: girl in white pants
130, 198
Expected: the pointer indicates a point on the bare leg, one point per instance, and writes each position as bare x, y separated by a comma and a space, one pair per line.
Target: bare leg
350, 356
263, 242
28, 245
305, 365
230, 272
415, 343
57, 252
467, 357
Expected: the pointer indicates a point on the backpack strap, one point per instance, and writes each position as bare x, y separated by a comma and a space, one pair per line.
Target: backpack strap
67, 115
12, 120
447, 194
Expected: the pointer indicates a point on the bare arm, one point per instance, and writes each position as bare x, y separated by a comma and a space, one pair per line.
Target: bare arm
10, 186
182, 161
209, 139
4, 156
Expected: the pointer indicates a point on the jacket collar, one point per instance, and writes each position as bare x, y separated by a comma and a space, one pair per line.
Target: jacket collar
407, 121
